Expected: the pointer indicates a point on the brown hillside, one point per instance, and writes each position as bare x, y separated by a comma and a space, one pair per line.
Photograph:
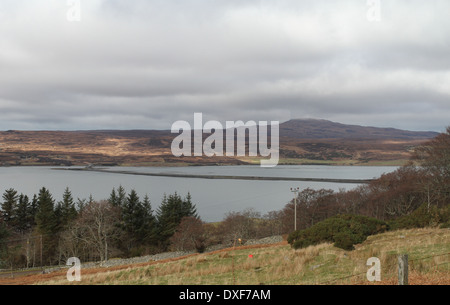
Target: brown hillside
301, 141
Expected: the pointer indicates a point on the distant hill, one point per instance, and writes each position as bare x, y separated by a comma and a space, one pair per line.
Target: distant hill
305, 129
323, 129
302, 141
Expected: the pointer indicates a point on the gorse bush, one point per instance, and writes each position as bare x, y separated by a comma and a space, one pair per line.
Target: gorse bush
343, 230
425, 216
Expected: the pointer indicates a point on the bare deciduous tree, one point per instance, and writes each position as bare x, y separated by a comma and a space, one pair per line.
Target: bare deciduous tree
94, 229
190, 235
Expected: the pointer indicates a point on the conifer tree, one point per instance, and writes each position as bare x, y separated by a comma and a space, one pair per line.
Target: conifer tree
170, 213
68, 210
119, 197
113, 197
131, 213
32, 211
45, 216
81, 204
138, 221
46, 223
149, 233
23, 222
9, 206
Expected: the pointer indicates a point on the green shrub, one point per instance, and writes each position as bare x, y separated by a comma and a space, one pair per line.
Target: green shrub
423, 216
343, 230
344, 240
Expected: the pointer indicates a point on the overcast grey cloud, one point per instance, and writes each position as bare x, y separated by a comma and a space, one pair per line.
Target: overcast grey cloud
145, 64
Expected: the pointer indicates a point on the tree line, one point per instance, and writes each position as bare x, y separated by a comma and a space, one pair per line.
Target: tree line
41, 231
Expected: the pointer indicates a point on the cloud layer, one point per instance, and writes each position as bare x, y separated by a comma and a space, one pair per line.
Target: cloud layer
146, 64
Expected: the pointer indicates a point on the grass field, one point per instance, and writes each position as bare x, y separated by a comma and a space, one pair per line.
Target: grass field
279, 264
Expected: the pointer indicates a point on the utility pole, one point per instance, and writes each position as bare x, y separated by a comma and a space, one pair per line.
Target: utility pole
295, 190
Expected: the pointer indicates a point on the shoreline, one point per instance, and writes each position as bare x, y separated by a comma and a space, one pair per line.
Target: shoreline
174, 175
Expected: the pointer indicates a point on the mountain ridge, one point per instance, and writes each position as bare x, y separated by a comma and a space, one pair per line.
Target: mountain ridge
323, 129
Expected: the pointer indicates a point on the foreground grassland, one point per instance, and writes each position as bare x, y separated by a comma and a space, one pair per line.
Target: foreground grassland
428, 249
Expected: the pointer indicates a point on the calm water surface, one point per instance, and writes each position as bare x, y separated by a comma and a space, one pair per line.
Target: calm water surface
213, 198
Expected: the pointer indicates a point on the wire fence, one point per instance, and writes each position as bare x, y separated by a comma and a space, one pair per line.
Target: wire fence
391, 269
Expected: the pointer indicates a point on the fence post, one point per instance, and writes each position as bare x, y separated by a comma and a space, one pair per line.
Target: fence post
403, 269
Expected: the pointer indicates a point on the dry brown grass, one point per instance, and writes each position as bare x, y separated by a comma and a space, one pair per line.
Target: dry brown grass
429, 251
153, 147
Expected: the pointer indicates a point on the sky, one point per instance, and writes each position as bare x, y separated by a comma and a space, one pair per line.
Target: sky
144, 64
